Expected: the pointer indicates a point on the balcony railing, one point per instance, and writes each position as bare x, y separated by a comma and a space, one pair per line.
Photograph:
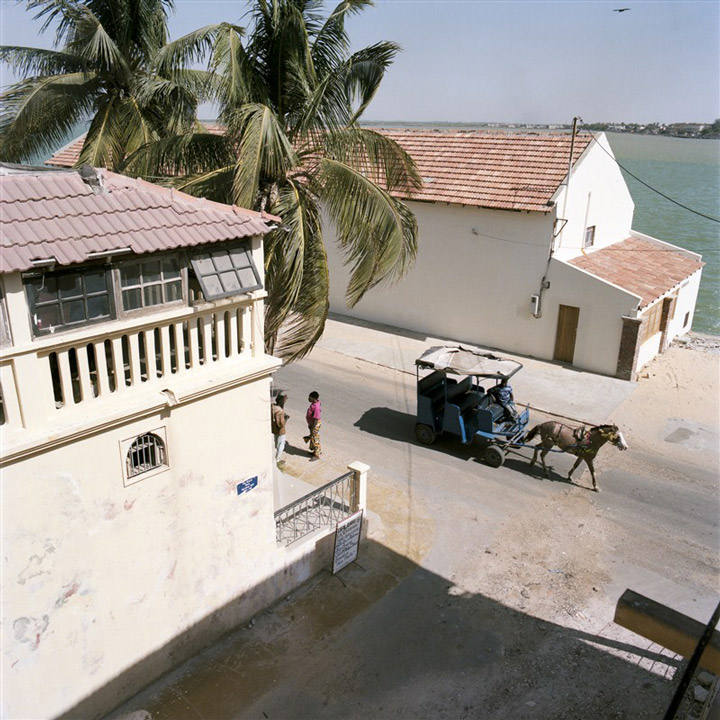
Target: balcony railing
93, 365
323, 507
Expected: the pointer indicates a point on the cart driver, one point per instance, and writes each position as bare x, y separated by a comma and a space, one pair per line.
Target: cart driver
502, 395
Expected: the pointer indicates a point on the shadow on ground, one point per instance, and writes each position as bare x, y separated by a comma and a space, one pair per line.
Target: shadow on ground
389, 639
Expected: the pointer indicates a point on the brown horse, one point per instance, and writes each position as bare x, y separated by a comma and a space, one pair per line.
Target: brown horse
583, 442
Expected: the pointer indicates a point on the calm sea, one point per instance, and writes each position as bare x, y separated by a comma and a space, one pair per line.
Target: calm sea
688, 171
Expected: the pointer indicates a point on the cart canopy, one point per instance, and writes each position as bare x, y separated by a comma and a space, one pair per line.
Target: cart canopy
463, 361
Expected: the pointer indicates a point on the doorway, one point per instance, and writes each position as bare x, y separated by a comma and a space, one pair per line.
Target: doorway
567, 326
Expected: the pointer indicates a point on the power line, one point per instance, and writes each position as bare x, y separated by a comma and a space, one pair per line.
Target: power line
650, 187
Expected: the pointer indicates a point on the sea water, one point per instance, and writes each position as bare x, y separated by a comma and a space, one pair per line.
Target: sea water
688, 171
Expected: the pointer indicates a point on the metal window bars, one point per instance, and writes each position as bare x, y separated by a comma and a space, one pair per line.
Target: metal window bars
146, 453
323, 507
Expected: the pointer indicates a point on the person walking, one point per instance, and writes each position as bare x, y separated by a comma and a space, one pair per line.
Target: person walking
313, 418
278, 420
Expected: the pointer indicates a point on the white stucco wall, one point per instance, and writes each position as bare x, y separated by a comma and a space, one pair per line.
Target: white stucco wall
597, 195
466, 286
477, 288
106, 586
602, 307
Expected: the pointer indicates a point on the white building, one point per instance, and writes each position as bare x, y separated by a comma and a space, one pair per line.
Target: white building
517, 254
137, 474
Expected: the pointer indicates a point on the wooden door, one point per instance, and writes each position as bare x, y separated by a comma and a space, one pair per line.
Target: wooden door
568, 316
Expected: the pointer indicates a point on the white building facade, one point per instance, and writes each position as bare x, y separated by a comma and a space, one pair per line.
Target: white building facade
508, 226
137, 471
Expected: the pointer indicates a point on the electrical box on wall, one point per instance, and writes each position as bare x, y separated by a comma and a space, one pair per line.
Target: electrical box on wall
534, 304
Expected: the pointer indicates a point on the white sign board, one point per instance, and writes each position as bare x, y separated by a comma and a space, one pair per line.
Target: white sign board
347, 541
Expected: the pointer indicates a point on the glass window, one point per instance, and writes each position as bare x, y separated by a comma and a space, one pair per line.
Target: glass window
148, 283
68, 299
589, 236
225, 272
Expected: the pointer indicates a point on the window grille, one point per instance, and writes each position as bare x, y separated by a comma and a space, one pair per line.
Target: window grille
146, 453
225, 272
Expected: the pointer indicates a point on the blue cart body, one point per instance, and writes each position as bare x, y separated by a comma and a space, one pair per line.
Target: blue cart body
452, 400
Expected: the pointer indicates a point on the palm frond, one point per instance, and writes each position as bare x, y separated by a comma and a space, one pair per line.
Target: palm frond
264, 151
297, 278
377, 156
377, 233
214, 184
103, 146
331, 45
183, 156
364, 71
40, 113
191, 48
26, 61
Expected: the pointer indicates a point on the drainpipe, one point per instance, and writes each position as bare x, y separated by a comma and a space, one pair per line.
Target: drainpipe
536, 300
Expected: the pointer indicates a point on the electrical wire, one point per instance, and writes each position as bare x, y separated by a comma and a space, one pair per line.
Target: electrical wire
650, 187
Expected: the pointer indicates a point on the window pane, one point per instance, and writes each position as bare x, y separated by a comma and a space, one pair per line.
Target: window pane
69, 285
47, 317
204, 266
130, 275
222, 262
247, 278
212, 286
94, 281
73, 311
97, 307
132, 300
151, 271
45, 289
153, 295
171, 268
229, 281
173, 291
239, 257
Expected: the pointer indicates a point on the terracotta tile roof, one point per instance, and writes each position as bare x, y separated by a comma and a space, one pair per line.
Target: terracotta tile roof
507, 171
639, 266
55, 214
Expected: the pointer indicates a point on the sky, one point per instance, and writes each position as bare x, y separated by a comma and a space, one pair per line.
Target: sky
510, 61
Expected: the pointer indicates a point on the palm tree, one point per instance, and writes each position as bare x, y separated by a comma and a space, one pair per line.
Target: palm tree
105, 69
290, 94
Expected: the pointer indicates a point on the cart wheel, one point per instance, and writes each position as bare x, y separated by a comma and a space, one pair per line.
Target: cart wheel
425, 434
494, 456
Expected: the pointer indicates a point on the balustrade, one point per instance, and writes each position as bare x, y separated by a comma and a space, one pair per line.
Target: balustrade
127, 355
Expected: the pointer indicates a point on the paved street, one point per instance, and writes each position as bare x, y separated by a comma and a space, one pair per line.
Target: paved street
481, 593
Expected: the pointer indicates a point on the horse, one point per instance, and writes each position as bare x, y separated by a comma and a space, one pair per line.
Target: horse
583, 442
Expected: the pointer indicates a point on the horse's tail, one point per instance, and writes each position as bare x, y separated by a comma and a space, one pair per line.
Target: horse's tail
532, 433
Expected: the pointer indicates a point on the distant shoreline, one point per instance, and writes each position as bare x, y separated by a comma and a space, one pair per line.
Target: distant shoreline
693, 131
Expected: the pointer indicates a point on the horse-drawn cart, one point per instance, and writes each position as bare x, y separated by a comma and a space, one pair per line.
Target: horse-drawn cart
450, 399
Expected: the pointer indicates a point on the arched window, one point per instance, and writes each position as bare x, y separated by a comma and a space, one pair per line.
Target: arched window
145, 453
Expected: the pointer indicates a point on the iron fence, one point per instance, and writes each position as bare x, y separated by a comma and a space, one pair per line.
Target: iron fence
323, 507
